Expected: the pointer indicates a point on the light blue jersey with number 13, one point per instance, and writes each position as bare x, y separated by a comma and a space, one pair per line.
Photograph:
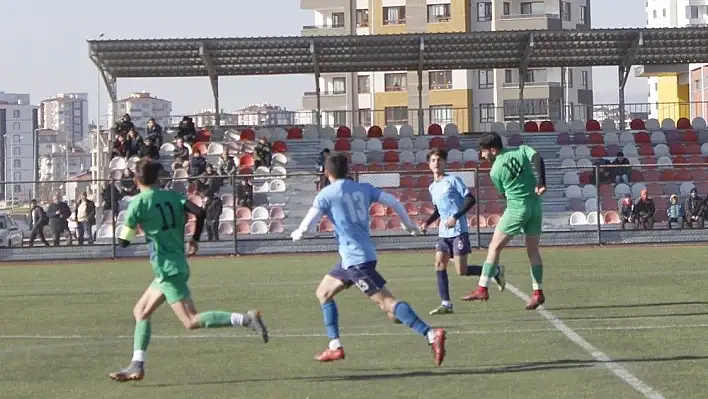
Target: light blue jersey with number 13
346, 204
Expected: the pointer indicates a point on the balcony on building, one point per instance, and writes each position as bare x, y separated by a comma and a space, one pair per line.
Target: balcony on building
518, 15
324, 30
329, 99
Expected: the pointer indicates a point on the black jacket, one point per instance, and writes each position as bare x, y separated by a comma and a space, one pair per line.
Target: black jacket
59, 214
150, 151
155, 134
644, 208
213, 209
181, 154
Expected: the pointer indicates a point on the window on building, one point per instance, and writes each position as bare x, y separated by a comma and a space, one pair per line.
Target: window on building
653, 14
697, 85
583, 14
584, 80
17, 188
396, 115
438, 13
506, 8
570, 78
77, 121
691, 12
337, 19
533, 107
17, 176
16, 151
394, 15
362, 18
365, 117
508, 76
395, 82
339, 85
364, 83
486, 113
16, 114
440, 80
16, 126
77, 105
77, 112
441, 114
530, 76
528, 8
339, 118
663, 12
16, 163
16, 138
566, 11
486, 78
484, 11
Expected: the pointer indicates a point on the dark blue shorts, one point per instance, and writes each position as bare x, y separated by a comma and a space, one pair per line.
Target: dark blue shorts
454, 246
363, 275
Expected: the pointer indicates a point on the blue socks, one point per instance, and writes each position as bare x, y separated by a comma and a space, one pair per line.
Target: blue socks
443, 286
331, 318
405, 314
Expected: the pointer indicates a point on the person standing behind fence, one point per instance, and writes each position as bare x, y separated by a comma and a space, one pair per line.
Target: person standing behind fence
85, 218
59, 213
213, 206
38, 219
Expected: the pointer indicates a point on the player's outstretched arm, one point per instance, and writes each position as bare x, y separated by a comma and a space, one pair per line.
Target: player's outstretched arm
391, 202
200, 214
308, 223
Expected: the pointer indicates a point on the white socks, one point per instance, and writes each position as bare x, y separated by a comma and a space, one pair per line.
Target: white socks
447, 304
237, 319
139, 356
335, 344
431, 336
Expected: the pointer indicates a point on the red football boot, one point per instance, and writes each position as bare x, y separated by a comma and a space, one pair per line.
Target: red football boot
439, 346
537, 299
480, 294
331, 355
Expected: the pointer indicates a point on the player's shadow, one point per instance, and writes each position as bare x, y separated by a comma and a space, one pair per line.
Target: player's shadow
631, 305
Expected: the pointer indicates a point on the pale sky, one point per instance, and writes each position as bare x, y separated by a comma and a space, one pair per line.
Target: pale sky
45, 50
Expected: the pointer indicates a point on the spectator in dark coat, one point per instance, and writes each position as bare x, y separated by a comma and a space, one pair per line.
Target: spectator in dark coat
643, 212
124, 125
120, 147
149, 150
154, 132
695, 213
127, 185
181, 153
197, 165
59, 213
209, 182
626, 210
186, 130
623, 169
322, 181
38, 219
110, 197
244, 192
135, 143
262, 153
213, 206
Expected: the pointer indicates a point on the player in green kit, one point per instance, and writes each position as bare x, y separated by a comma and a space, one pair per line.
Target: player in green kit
161, 215
513, 175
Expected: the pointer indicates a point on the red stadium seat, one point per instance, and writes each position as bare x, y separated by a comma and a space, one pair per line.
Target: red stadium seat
493, 207
242, 213
411, 209
606, 190
279, 146
407, 182
655, 189
472, 221
374, 132
699, 175
426, 209
585, 177
667, 175
394, 223
436, 142
695, 159
649, 161
546, 127
693, 149
248, 135
702, 186
344, 132
245, 160
609, 204
645, 149
492, 220
679, 160
564, 139
592, 125
424, 181
245, 171
200, 148
530, 127
389, 143
598, 151
358, 168
342, 145
454, 165
325, 226
612, 218
203, 136
676, 149
642, 137
391, 157
276, 227
470, 165
243, 228
424, 195
377, 210
637, 124
579, 139
407, 166
453, 142
683, 124
650, 175
612, 150
374, 167
595, 138
690, 135
637, 176
294, 133
683, 174
435, 130
377, 224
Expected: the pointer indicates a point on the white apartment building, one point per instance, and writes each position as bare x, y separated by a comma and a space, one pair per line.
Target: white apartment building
264, 115
672, 87
18, 121
141, 107
66, 112
55, 161
472, 99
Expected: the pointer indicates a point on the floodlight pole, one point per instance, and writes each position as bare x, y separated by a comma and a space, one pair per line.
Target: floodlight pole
214, 79
421, 114
523, 68
316, 69
623, 72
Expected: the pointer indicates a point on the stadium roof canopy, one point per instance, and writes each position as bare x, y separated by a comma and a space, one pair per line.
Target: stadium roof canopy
210, 57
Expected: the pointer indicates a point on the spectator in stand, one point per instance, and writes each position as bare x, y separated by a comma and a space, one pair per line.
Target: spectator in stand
322, 181
626, 210
124, 125
606, 174
675, 212
186, 130
244, 192
181, 152
695, 213
197, 165
149, 150
227, 166
127, 185
38, 219
135, 143
622, 170
213, 206
85, 218
262, 154
110, 197
154, 132
120, 147
59, 213
209, 182
643, 212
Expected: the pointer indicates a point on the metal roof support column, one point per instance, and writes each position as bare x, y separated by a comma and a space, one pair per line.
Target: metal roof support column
421, 114
523, 69
623, 72
316, 68
214, 79
103, 154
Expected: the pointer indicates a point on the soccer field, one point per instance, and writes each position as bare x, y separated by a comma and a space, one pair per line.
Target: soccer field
618, 322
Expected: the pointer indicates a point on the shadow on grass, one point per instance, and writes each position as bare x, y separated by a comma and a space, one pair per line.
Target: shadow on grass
386, 374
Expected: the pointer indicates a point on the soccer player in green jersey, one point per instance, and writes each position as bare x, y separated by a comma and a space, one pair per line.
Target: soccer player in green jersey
513, 175
161, 215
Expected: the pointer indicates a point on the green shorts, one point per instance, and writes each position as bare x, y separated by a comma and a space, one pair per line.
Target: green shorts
525, 218
174, 288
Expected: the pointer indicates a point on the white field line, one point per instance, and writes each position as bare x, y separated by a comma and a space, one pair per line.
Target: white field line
617, 369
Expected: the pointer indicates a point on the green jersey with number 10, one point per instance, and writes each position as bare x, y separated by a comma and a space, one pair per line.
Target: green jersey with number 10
512, 174
161, 216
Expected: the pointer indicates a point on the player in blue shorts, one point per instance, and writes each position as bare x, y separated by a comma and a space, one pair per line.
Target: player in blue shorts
452, 201
346, 204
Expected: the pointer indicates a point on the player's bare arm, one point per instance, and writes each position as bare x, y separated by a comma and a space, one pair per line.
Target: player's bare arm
200, 214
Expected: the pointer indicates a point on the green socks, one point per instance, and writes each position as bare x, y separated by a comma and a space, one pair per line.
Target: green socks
141, 337
488, 271
214, 319
537, 276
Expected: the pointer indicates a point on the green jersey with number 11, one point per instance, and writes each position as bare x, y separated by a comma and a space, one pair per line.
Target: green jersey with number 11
161, 216
512, 174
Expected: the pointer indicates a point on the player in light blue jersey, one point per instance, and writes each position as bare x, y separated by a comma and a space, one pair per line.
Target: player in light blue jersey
452, 200
346, 204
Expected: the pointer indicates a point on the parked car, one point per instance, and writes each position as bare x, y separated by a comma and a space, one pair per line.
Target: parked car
10, 233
